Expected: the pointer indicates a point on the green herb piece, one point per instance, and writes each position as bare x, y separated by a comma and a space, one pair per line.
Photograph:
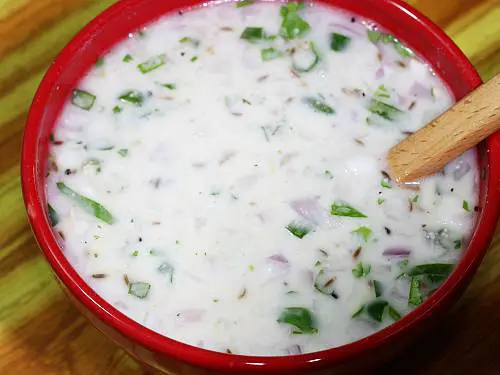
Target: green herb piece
380, 201
361, 270
402, 49
123, 152
393, 313
314, 59
170, 86
465, 206
135, 253
83, 99
87, 204
358, 312
457, 244
339, 42
344, 209
382, 93
384, 110
328, 174
376, 309
187, 39
139, 289
252, 34
107, 148
268, 54
132, 97
374, 36
151, 64
385, 183
117, 109
403, 263
377, 288
100, 62
194, 58
415, 297
244, 3
167, 269
299, 317
127, 58
53, 216
435, 272
415, 199
293, 25
319, 105
364, 232
297, 230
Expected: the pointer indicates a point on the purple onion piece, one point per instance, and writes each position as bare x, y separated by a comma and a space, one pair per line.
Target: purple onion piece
461, 169
397, 252
418, 90
379, 73
308, 209
191, 315
278, 258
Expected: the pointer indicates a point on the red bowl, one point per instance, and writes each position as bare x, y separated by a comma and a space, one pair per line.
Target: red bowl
164, 354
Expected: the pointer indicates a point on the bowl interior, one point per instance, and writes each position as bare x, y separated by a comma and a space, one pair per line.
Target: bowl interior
114, 25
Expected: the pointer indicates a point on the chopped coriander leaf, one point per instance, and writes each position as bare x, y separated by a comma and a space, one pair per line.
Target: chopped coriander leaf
380, 201
382, 93
384, 110
83, 99
457, 244
299, 317
117, 109
374, 36
135, 253
339, 42
170, 86
402, 49
435, 272
127, 58
253, 33
53, 216
393, 313
139, 289
319, 105
305, 61
377, 288
324, 283
361, 270
385, 183
343, 209
465, 206
151, 64
123, 152
268, 54
244, 3
167, 269
187, 39
364, 232
358, 312
194, 58
133, 97
415, 297
376, 309
293, 25
297, 230
87, 204
99, 62
415, 199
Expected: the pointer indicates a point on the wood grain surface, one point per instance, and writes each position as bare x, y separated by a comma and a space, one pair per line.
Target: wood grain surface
40, 331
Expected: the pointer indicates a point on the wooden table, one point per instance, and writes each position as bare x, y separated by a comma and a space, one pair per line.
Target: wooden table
40, 331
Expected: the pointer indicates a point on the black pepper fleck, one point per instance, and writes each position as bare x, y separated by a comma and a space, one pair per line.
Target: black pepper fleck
140, 239
183, 53
67, 172
353, 19
388, 231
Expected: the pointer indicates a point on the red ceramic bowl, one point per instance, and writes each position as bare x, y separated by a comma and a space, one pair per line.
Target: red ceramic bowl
161, 353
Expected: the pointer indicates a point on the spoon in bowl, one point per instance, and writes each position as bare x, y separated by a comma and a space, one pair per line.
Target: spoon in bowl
464, 125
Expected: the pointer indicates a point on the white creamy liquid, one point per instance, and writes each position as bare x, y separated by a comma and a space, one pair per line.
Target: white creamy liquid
225, 152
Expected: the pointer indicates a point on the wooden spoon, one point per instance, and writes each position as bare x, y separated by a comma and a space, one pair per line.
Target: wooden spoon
463, 126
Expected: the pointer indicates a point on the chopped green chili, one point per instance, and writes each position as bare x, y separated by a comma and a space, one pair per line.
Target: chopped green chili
293, 25
361, 270
435, 272
319, 105
415, 297
83, 99
384, 110
139, 289
88, 204
151, 64
133, 97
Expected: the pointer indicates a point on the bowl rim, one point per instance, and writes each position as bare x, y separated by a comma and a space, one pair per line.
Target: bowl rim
30, 177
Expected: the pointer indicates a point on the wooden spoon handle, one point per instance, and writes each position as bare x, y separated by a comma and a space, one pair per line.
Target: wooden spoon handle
463, 126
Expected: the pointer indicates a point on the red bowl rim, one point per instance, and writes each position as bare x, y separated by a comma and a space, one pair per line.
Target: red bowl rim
155, 342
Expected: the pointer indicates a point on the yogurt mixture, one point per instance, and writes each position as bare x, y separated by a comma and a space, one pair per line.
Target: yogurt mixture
219, 177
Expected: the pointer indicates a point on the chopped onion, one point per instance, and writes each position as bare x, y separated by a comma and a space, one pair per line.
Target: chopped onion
397, 252
418, 90
312, 212
461, 169
278, 258
191, 315
379, 73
